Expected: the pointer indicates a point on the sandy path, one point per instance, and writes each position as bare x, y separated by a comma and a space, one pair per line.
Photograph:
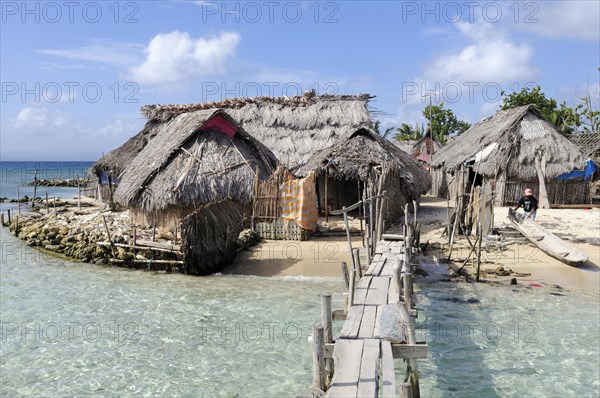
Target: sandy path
321, 256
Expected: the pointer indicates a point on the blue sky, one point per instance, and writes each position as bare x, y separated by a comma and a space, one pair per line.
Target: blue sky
75, 74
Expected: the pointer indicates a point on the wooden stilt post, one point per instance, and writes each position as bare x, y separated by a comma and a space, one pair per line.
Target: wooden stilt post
326, 198
351, 287
398, 277
47, 206
319, 372
327, 322
18, 202
344, 273
34, 189
407, 282
479, 250
2, 219
380, 220
112, 247
356, 255
78, 193
371, 227
406, 390
412, 339
8, 213
347, 225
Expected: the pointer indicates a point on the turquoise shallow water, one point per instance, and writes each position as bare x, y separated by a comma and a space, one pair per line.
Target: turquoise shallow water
509, 342
72, 329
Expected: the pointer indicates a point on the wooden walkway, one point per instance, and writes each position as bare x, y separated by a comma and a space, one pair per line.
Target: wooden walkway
378, 327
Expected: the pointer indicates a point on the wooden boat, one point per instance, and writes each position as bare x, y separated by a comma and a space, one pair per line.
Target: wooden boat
546, 241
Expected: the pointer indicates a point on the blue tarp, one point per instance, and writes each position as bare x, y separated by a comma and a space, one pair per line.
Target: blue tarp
587, 173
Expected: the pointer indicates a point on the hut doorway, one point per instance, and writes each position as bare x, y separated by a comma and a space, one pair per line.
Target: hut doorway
337, 193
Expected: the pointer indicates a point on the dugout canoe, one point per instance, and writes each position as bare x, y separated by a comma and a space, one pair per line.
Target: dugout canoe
549, 243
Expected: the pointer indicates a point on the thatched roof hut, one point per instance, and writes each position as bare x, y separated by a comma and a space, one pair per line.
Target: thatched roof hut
366, 157
514, 148
199, 172
292, 127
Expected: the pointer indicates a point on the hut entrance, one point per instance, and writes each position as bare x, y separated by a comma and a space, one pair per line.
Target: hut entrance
334, 194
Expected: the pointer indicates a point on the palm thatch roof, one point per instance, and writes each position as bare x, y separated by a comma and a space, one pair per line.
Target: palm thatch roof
510, 142
118, 159
292, 127
187, 164
361, 157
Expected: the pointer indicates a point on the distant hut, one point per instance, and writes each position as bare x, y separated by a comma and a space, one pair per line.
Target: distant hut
109, 167
425, 148
422, 149
512, 150
366, 161
198, 173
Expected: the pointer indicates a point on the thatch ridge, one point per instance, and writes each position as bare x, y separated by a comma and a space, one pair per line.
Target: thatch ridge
514, 154
182, 166
361, 155
292, 127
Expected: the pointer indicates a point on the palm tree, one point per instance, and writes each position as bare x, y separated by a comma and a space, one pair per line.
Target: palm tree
409, 133
377, 127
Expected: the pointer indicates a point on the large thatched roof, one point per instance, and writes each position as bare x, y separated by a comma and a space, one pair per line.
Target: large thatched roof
188, 165
510, 141
117, 160
363, 154
292, 127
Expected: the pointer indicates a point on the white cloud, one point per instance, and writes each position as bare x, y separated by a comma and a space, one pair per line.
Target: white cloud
490, 56
173, 57
562, 19
39, 118
120, 128
121, 54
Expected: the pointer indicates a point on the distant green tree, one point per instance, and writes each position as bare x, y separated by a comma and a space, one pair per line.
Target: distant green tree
565, 118
407, 132
443, 122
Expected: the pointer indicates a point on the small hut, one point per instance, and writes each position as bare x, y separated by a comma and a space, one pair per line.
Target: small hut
198, 174
425, 148
366, 162
512, 150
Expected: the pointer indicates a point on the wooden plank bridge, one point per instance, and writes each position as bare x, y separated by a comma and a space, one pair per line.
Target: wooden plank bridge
379, 326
